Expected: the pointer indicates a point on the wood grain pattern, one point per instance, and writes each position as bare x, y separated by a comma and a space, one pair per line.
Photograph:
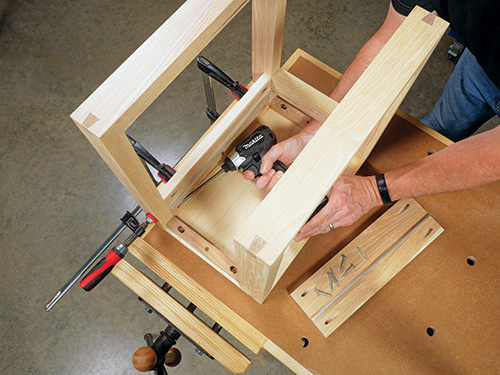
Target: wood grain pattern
105, 115
268, 23
206, 154
198, 295
289, 112
295, 91
204, 248
177, 314
154, 65
219, 210
378, 254
284, 211
119, 155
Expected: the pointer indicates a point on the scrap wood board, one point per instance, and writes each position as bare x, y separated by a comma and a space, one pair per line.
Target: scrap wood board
355, 274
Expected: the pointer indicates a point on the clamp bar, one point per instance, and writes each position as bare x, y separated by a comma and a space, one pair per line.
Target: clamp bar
107, 243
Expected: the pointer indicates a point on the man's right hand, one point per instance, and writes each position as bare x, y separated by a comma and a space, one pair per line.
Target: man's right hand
285, 151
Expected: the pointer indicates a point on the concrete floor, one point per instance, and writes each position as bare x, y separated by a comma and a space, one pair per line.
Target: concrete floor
59, 200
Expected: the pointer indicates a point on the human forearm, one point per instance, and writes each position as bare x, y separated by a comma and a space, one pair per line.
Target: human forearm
464, 165
362, 60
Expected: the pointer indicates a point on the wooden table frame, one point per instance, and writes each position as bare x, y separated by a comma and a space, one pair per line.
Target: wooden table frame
262, 247
438, 288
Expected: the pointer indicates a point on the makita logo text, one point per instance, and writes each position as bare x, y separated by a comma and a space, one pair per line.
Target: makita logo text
253, 141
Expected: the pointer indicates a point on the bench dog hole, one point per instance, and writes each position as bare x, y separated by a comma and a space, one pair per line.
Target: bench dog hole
471, 261
304, 342
431, 331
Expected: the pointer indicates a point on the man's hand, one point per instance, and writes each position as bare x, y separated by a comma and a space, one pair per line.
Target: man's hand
351, 198
286, 152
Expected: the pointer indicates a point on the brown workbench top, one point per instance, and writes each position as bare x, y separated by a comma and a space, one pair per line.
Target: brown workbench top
389, 333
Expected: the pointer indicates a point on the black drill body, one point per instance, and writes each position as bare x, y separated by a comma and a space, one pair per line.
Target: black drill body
248, 154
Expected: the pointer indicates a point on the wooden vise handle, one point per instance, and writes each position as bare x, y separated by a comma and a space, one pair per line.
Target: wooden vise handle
185, 321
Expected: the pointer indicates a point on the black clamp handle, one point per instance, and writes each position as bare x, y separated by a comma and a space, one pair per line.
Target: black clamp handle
212, 70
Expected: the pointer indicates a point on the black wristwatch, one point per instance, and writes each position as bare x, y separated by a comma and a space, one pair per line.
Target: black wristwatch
382, 188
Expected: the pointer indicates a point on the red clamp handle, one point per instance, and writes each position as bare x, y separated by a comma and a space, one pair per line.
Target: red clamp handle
101, 269
239, 95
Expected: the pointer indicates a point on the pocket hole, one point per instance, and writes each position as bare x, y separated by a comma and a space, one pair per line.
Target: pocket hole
283, 106
431, 331
404, 208
304, 342
362, 253
430, 151
328, 321
180, 229
306, 291
428, 232
233, 269
207, 248
471, 261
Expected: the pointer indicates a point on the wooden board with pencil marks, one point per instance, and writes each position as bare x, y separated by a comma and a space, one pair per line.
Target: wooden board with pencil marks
344, 283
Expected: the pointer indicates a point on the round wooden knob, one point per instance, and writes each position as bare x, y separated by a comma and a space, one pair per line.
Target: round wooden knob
144, 359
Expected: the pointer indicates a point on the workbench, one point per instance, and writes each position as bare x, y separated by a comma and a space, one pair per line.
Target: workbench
229, 249
450, 291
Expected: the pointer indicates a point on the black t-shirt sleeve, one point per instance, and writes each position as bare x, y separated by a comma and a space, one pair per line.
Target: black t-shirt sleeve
404, 7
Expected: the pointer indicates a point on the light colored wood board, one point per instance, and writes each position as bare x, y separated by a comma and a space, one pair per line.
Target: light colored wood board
154, 65
377, 131
289, 112
285, 358
325, 79
205, 249
268, 23
373, 138
378, 276
198, 295
292, 60
257, 277
363, 252
281, 215
295, 91
119, 155
205, 154
178, 315
218, 210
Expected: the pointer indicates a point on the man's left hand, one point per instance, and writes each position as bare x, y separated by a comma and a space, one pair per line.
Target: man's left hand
351, 198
